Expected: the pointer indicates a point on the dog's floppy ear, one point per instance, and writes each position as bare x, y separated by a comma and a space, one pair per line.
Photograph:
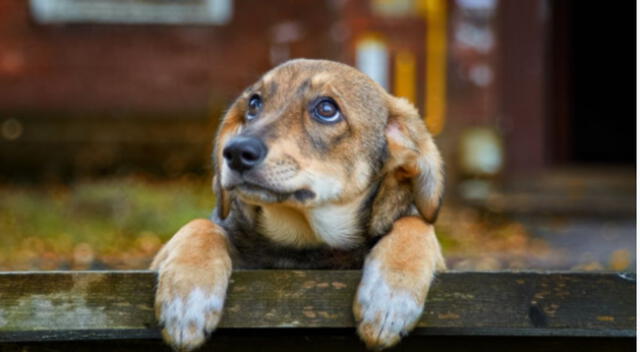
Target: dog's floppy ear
414, 156
223, 203
228, 127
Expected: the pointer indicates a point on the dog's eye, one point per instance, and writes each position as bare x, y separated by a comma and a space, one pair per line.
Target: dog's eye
254, 107
326, 110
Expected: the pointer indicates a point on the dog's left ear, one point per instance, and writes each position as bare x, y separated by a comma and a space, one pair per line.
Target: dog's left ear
414, 156
223, 203
228, 126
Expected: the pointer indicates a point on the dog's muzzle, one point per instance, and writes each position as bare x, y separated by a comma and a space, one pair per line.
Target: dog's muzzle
244, 153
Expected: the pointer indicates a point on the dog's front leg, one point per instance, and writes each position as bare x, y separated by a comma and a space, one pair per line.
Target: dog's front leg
193, 274
395, 281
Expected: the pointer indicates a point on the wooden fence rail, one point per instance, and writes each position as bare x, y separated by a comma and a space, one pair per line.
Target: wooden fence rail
109, 310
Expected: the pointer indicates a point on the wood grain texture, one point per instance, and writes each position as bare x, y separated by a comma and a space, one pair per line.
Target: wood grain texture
66, 306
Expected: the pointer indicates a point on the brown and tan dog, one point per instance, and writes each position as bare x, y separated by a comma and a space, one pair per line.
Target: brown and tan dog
316, 166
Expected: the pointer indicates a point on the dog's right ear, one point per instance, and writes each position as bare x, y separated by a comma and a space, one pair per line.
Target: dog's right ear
414, 156
228, 128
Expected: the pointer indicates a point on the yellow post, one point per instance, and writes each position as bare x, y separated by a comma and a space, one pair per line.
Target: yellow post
436, 63
404, 84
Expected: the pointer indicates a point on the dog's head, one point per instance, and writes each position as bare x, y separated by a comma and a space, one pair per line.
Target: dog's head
314, 132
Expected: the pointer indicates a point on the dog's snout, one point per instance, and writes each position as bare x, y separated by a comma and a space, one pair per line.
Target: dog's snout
243, 153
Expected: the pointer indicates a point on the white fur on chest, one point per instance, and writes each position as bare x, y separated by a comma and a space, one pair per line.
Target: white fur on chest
287, 226
333, 225
336, 225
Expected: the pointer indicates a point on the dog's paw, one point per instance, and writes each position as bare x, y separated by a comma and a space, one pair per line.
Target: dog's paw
189, 305
384, 314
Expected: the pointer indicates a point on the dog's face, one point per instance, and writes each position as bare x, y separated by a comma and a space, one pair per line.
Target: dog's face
312, 132
302, 135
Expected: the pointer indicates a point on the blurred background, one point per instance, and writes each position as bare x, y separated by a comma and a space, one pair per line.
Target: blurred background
108, 109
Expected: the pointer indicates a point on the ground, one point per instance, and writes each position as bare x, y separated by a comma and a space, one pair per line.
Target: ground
120, 223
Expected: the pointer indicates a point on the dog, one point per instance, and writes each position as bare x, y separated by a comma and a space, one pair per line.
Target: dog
316, 166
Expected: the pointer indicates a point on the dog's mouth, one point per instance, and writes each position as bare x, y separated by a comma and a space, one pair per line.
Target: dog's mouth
253, 192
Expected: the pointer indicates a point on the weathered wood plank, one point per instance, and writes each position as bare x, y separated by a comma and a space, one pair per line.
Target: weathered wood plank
47, 306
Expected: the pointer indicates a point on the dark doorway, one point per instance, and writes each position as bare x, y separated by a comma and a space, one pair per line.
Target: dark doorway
593, 85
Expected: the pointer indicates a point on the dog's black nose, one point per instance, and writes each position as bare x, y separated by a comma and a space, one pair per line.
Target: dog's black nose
243, 153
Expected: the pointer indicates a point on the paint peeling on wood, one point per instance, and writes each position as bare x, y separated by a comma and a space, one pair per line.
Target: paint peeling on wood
551, 310
338, 285
449, 315
309, 284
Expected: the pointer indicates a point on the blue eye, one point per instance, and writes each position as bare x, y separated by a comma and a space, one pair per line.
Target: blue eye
326, 111
253, 107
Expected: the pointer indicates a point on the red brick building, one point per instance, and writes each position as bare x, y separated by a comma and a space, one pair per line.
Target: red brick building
86, 98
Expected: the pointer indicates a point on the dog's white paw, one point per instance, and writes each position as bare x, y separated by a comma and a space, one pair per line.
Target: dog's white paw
188, 311
384, 314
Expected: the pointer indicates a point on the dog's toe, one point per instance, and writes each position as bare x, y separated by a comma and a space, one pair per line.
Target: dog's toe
187, 322
385, 320
384, 314
188, 312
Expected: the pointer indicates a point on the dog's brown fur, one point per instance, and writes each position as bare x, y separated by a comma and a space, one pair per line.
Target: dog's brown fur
322, 198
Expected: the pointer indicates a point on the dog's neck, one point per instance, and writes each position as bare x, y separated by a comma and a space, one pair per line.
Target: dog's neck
335, 225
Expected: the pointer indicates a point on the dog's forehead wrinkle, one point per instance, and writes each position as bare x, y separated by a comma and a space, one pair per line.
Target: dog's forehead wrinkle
273, 89
303, 87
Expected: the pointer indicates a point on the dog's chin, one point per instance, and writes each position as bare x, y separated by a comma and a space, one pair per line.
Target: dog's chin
252, 193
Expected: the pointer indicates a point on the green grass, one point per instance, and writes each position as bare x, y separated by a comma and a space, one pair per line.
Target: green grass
118, 221
121, 223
